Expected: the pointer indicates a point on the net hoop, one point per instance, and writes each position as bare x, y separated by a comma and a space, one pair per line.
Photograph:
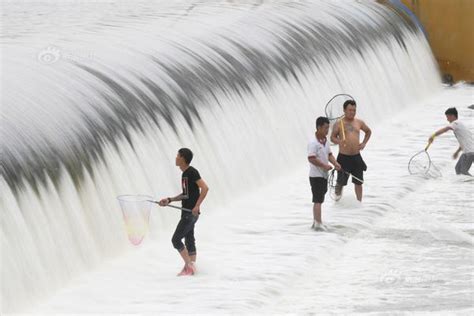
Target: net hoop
328, 108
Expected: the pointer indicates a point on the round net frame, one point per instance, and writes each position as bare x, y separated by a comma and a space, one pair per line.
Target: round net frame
136, 215
421, 164
334, 107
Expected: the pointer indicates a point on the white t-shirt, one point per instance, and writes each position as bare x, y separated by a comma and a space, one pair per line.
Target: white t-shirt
321, 152
464, 136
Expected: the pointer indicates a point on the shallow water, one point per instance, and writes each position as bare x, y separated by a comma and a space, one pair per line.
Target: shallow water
407, 248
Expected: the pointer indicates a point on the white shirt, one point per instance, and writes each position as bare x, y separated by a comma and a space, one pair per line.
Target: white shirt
321, 152
464, 136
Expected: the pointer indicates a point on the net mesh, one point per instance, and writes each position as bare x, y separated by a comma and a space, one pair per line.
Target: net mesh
136, 214
421, 164
332, 182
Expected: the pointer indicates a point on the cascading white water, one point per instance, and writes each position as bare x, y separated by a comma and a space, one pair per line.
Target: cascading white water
98, 107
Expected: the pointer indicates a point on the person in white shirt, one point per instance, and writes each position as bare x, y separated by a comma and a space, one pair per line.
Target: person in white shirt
319, 156
464, 137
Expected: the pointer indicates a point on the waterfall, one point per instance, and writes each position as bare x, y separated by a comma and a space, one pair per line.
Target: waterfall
97, 107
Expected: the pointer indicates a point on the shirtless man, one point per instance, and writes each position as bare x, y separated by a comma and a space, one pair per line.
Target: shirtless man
346, 133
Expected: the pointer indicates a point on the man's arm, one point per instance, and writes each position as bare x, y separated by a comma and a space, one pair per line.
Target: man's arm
168, 200
455, 155
367, 133
333, 160
178, 197
335, 133
318, 163
204, 189
439, 132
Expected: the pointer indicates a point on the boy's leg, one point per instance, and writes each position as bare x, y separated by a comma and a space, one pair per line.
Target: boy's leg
178, 245
319, 187
185, 255
178, 235
185, 225
190, 241
317, 212
189, 252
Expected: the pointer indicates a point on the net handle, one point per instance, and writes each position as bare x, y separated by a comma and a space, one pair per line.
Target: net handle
428, 146
342, 128
332, 186
348, 173
172, 206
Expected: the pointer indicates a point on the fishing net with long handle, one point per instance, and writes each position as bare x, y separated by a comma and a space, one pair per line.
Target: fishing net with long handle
332, 183
136, 215
421, 164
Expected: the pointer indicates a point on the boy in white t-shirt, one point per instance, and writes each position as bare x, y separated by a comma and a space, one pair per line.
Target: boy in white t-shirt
464, 137
319, 156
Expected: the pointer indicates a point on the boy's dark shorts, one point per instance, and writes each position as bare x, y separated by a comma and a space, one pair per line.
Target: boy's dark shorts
319, 187
355, 165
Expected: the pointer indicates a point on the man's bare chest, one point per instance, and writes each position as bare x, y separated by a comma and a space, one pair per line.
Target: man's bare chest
351, 128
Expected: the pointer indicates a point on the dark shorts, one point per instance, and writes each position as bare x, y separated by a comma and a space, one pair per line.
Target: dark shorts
354, 165
319, 187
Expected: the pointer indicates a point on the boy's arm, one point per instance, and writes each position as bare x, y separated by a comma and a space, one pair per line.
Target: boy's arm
204, 189
178, 197
168, 200
333, 160
318, 163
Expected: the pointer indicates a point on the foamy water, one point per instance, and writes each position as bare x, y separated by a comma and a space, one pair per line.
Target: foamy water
407, 248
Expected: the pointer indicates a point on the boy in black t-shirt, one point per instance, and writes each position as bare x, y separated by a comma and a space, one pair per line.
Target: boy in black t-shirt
194, 192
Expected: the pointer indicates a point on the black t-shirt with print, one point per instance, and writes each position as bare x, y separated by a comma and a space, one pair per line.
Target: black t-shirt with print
190, 188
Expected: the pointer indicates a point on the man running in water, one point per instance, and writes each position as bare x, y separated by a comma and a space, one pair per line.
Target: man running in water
194, 193
346, 133
464, 137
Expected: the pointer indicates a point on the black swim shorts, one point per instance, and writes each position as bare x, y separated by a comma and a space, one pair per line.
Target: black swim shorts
355, 165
